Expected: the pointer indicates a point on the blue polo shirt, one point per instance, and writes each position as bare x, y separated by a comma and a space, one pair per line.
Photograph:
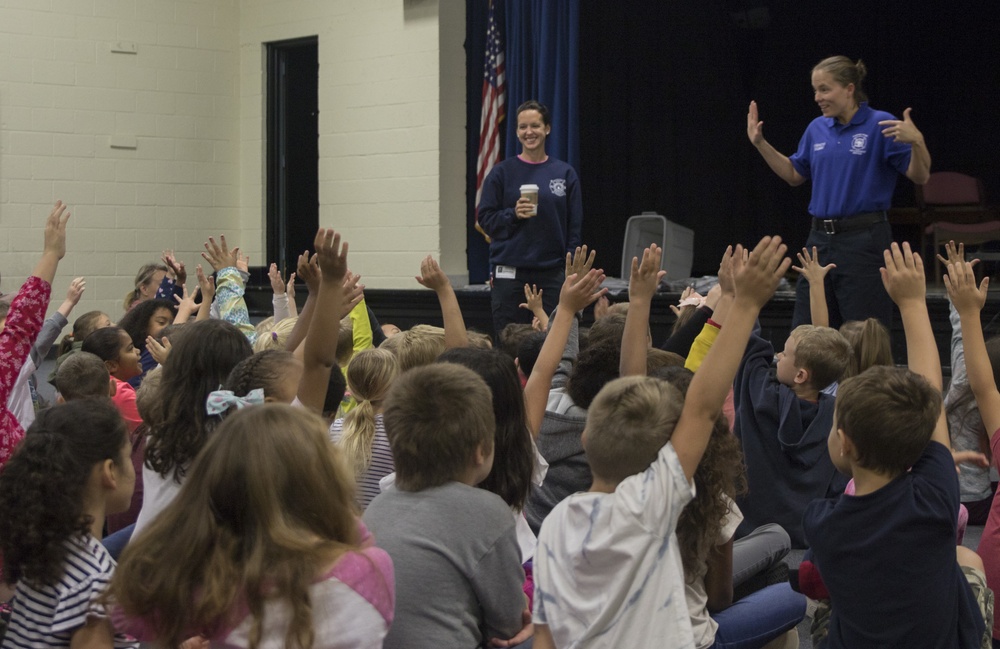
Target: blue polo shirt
853, 167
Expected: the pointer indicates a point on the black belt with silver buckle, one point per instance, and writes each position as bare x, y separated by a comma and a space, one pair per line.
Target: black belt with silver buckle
849, 223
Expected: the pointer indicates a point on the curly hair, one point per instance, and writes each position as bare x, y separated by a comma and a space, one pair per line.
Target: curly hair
369, 375
202, 357
42, 486
265, 507
720, 477
514, 458
595, 367
136, 321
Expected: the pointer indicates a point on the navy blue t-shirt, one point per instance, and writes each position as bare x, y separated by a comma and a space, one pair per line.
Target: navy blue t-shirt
888, 560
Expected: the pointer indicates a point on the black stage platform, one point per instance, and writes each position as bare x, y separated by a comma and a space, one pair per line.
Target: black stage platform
406, 308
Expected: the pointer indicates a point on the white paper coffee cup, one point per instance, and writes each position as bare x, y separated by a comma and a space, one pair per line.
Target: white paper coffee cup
531, 193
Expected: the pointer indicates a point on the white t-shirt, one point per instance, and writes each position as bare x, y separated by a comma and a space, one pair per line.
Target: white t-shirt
608, 569
157, 493
702, 624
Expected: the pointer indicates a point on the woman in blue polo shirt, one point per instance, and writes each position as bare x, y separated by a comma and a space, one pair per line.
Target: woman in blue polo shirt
853, 154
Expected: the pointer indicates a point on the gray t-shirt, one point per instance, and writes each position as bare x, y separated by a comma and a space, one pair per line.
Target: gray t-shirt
458, 567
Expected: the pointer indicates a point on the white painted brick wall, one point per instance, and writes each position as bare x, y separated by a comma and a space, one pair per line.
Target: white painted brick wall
64, 95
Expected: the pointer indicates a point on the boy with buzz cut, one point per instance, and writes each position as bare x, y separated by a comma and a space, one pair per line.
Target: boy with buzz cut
608, 571
887, 553
782, 422
83, 376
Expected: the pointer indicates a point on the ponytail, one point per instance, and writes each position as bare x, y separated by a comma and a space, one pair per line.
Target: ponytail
369, 375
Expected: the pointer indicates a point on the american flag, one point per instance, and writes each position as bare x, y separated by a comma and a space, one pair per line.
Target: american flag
494, 98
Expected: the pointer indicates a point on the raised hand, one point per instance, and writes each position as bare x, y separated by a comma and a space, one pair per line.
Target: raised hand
308, 271
75, 291
757, 275
903, 274
811, 268
176, 267
727, 281
277, 281
962, 290
580, 290
242, 262
532, 298
579, 262
955, 254
354, 292
206, 284
330, 255
290, 286
601, 307
431, 276
755, 127
55, 231
185, 302
646, 275
218, 255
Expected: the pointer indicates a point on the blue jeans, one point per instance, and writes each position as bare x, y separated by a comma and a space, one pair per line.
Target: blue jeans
115, 543
854, 288
759, 618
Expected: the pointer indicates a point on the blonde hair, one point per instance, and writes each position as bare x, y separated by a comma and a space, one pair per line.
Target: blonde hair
266, 505
142, 278
369, 375
415, 347
479, 340
274, 336
628, 422
870, 345
845, 72
345, 341
823, 351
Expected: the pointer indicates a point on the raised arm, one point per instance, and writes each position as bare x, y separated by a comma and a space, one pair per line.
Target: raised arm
777, 161
308, 272
320, 353
55, 244
815, 274
642, 283
710, 330
533, 302
969, 300
207, 287
432, 277
756, 281
904, 281
229, 287
279, 299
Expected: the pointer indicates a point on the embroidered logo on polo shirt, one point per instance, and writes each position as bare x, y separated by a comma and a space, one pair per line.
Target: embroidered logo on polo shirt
819, 146
558, 186
859, 144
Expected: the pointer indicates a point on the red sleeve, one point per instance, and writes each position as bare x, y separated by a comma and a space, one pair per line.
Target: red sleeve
24, 322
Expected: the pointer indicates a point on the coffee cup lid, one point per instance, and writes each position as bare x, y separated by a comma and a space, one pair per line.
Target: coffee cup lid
529, 188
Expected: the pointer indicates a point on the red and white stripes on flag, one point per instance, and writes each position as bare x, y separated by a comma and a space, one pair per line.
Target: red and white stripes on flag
494, 99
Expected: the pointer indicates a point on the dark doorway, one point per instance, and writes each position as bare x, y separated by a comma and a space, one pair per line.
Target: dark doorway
292, 149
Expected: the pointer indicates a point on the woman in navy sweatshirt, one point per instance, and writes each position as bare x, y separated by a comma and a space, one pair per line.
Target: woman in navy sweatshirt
529, 248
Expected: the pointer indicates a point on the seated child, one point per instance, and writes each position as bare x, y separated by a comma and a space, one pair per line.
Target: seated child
454, 548
71, 343
114, 346
608, 571
887, 554
783, 422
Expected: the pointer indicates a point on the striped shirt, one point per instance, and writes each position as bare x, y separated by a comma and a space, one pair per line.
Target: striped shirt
49, 615
381, 464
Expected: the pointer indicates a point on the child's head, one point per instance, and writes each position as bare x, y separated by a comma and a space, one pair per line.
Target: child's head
56, 471
147, 319
147, 281
83, 376
275, 336
114, 346
148, 393
417, 346
265, 507
528, 351
345, 341
201, 359
595, 367
883, 420
513, 454
369, 376
511, 337
276, 372
814, 357
440, 425
627, 424
657, 358
83, 326
479, 340
870, 345
964, 401
610, 328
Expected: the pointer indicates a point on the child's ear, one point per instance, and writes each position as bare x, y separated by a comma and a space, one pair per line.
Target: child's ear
847, 448
801, 376
112, 387
112, 367
59, 399
109, 477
